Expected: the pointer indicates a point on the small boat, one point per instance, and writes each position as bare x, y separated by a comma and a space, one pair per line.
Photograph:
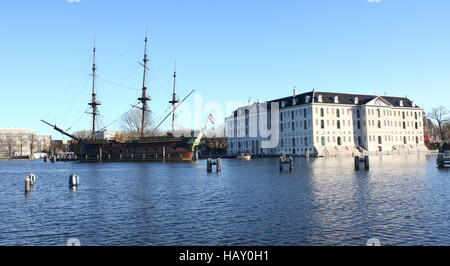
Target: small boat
443, 159
244, 156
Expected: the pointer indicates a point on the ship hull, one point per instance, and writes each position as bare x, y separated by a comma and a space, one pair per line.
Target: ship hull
146, 149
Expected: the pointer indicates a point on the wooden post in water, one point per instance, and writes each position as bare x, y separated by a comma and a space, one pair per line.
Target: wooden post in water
209, 165
217, 162
27, 184
357, 162
289, 161
366, 162
219, 165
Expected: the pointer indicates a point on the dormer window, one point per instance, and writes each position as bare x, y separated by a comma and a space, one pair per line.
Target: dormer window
283, 104
319, 99
356, 100
294, 101
400, 103
413, 104
336, 99
307, 98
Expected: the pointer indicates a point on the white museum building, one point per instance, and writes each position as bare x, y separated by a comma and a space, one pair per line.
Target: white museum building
330, 124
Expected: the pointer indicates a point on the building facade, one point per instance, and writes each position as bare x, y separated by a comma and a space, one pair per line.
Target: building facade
15, 142
330, 124
107, 135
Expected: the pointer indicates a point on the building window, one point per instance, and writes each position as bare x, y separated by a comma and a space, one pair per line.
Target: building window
304, 113
404, 140
380, 140
293, 142
359, 141
321, 112
358, 123
306, 141
322, 124
379, 124
416, 125
293, 126
338, 124
323, 141
304, 125
404, 125
338, 113
339, 141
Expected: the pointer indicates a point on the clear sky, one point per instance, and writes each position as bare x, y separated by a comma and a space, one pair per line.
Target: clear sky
227, 50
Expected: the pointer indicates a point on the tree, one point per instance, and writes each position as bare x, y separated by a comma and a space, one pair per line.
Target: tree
215, 131
32, 143
119, 137
440, 115
131, 124
9, 142
83, 134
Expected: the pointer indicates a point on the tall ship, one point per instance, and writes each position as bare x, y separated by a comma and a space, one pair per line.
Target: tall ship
146, 147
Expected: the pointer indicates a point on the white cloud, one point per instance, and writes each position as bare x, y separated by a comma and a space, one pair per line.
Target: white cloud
374, 1
78, 1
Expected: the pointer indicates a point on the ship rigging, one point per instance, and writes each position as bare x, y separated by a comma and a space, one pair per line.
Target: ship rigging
167, 147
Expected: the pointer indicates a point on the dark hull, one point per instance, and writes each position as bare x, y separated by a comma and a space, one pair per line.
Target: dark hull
145, 149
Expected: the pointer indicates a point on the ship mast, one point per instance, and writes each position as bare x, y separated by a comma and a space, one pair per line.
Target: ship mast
174, 100
94, 103
144, 99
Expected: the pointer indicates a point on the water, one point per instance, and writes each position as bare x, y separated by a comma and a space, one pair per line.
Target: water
402, 200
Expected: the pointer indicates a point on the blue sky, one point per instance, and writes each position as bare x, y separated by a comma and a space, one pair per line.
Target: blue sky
227, 50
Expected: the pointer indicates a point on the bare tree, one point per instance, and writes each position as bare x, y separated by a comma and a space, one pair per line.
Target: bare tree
32, 143
215, 131
83, 134
440, 115
21, 142
9, 143
447, 128
131, 124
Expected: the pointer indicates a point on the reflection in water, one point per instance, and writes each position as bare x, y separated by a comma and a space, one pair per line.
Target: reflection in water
401, 200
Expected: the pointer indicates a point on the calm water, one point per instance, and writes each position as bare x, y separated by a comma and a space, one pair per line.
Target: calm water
402, 200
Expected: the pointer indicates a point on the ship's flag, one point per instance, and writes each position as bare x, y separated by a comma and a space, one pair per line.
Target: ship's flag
212, 119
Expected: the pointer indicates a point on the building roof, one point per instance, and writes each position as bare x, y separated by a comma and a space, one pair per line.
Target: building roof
344, 98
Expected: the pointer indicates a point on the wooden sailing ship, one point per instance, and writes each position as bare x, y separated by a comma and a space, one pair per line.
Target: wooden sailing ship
144, 148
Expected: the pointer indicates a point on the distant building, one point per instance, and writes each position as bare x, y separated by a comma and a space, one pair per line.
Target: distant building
108, 135
329, 124
22, 142
60, 146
